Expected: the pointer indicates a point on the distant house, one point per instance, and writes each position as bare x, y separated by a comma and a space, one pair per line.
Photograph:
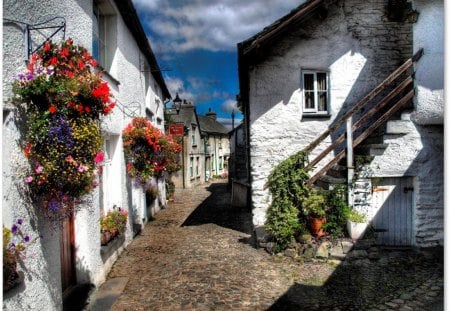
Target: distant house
192, 172
328, 64
217, 145
62, 259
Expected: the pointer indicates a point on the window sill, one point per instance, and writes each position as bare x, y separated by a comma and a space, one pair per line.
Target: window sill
316, 115
107, 74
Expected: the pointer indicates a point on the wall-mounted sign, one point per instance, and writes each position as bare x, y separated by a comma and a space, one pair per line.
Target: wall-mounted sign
176, 129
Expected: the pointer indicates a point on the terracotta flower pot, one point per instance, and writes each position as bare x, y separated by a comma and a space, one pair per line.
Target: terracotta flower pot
315, 225
105, 238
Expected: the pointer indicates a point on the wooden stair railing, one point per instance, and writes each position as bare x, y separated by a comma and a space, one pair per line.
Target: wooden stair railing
400, 89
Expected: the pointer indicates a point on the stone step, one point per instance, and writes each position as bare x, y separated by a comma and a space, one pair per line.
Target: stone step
399, 127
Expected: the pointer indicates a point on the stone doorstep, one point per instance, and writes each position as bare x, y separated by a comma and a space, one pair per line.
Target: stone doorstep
107, 294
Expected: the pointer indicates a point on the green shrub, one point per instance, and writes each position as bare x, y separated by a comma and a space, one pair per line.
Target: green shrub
338, 214
287, 184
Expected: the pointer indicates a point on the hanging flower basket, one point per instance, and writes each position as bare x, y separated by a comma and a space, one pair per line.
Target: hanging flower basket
148, 151
63, 97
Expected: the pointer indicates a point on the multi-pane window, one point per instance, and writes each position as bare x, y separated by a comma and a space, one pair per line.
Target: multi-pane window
191, 167
315, 92
220, 163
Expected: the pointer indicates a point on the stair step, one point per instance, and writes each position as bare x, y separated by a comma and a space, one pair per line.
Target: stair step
326, 181
371, 149
406, 115
399, 127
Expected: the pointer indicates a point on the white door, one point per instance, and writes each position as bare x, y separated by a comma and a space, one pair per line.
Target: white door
393, 222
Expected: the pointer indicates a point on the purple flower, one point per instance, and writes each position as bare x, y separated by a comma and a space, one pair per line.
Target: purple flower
54, 206
26, 239
21, 75
14, 229
30, 76
20, 221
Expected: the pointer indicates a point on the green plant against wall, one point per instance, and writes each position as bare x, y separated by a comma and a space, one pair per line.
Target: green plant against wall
287, 184
338, 213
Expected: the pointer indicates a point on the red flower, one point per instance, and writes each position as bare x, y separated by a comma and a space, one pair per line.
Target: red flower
80, 108
81, 64
64, 52
70, 74
47, 46
52, 109
27, 150
87, 109
71, 104
53, 60
99, 157
102, 92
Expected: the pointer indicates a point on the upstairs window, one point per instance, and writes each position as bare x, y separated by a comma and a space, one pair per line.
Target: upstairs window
194, 143
315, 92
105, 33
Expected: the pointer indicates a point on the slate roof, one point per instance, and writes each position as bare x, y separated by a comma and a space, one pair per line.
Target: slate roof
211, 126
187, 115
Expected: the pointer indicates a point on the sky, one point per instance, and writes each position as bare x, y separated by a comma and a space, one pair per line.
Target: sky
195, 44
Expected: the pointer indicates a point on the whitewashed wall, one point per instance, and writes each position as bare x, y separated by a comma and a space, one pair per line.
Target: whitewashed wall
429, 35
42, 289
358, 46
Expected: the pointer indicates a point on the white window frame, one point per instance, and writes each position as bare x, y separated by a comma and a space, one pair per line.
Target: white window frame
315, 109
105, 35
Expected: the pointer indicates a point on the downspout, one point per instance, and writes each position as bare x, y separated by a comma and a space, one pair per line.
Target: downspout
184, 168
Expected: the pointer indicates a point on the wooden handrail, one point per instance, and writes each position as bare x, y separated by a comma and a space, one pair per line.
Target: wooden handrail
409, 96
399, 89
377, 90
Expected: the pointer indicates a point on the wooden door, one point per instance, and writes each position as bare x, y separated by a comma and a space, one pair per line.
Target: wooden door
67, 243
393, 222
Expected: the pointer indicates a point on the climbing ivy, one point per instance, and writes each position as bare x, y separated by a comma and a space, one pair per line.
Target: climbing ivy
287, 184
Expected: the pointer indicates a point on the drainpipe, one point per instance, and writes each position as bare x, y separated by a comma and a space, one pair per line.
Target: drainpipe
184, 168
350, 166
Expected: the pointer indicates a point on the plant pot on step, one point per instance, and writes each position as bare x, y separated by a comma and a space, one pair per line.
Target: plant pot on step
315, 226
356, 230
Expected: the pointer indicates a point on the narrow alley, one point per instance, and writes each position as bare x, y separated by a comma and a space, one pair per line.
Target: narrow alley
198, 255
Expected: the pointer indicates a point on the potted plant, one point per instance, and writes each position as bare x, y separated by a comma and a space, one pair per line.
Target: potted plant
356, 224
315, 207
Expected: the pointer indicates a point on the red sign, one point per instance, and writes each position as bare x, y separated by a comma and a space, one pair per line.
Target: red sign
176, 129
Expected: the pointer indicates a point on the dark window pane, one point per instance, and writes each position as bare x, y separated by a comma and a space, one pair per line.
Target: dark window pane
309, 100
322, 106
321, 81
308, 82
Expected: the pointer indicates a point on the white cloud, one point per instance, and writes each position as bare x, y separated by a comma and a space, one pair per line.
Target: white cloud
229, 105
181, 26
228, 123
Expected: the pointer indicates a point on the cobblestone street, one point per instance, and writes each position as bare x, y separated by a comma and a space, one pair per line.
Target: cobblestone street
197, 254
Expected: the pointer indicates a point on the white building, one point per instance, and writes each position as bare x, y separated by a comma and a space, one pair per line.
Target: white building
299, 75
111, 31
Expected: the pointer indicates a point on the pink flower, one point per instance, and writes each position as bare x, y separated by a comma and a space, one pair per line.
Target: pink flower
94, 183
28, 179
82, 168
39, 169
99, 157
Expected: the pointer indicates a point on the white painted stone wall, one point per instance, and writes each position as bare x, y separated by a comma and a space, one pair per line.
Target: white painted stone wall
429, 35
355, 43
42, 288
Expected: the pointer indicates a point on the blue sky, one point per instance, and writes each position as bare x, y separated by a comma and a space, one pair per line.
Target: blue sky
195, 44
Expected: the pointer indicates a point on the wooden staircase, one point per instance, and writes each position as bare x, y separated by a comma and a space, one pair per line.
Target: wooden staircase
360, 130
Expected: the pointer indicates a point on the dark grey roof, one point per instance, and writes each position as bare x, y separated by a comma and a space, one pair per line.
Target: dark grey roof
211, 126
187, 116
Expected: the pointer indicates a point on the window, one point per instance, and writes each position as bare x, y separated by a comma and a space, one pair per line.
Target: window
197, 171
220, 143
191, 167
315, 92
220, 163
193, 136
105, 33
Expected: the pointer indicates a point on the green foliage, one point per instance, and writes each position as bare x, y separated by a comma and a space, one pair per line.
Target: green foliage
287, 184
338, 213
355, 216
315, 205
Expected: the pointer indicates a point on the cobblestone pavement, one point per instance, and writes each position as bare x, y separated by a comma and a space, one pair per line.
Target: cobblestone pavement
197, 255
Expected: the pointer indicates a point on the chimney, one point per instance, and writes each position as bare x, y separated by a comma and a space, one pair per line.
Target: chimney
211, 114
